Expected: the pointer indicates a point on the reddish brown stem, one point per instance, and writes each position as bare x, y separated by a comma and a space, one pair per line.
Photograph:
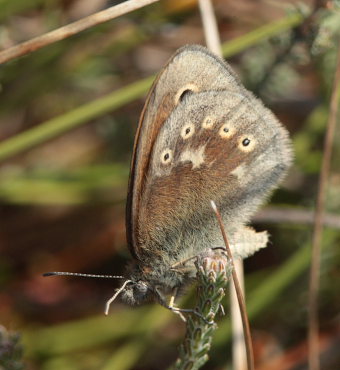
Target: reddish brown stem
313, 324
243, 310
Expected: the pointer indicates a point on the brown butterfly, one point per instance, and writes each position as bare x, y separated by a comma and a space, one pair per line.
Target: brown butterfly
202, 136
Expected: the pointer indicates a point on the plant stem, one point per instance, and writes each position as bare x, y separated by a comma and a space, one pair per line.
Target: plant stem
213, 271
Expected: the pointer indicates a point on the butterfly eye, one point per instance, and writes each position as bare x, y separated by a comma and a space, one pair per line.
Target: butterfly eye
226, 131
187, 131
166, 156
246, 143
208, 122
184, 91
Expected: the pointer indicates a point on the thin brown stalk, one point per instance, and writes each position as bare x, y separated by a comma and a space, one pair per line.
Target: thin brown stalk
313, 324
244, 316
72, 29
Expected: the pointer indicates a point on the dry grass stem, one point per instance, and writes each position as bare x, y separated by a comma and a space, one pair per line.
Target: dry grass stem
239, 354
238, 290
276, 215
211, 34
313, 324
72, 29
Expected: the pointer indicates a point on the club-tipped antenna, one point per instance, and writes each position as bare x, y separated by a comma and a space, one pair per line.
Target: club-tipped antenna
63, 273
108, 303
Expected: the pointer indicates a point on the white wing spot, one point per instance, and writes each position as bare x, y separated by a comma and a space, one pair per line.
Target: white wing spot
196, 157
208, 122
240, 172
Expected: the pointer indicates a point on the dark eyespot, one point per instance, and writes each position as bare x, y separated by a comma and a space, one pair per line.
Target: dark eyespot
187, 131
184, 94
226, 131
184, 91
166, 156
247, 143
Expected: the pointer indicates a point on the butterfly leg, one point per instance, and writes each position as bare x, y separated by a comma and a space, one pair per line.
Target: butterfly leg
180, 266
181, 263
172, 307
178, 311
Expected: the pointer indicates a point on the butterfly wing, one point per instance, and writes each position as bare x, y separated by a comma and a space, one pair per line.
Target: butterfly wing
202, 136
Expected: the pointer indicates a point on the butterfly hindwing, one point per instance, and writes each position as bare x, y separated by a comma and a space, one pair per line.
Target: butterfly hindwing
201, 137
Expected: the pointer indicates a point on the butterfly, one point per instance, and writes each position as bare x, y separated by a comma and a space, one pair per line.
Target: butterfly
202, 136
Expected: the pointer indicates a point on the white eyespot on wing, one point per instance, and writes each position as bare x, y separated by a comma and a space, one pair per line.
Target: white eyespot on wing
166, 156
208, 122
187, 131
226, 131
246, 143
196, 157
186, 89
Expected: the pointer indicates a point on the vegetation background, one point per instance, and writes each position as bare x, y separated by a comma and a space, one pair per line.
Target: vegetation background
68, 116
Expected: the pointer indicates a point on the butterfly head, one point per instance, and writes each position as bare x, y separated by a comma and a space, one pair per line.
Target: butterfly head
148, 284
133, 292
139, 288
137, 292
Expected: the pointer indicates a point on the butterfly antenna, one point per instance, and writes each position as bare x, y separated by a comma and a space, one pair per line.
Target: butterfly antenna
62, 273
108, 303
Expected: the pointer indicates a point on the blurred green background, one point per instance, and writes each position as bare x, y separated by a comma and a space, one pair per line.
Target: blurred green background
68, 115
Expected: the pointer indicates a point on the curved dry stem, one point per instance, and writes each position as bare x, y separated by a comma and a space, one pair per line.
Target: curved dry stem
313, 324
71, 29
